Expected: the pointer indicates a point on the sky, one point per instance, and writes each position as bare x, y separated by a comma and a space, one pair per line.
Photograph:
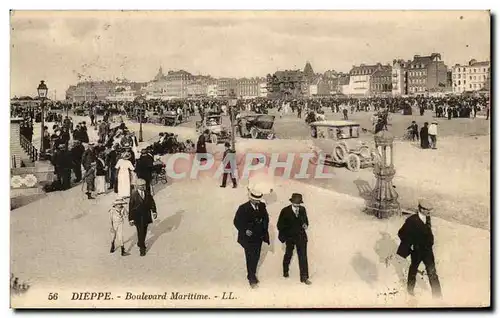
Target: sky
62, 47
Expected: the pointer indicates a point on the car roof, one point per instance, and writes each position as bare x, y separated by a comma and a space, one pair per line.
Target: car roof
334, 123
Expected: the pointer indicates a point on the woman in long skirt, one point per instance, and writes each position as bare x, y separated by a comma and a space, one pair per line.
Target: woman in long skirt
100, 181
124, 169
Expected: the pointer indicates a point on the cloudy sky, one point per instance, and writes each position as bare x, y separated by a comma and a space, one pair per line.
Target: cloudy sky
61, 46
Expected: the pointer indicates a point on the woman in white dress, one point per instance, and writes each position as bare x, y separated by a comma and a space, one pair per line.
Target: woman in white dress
124, 169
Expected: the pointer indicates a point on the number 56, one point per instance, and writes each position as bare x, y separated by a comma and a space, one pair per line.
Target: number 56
52, 296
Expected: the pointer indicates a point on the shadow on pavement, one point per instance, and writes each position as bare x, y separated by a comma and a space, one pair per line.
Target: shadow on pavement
364, 189
366, 269
156, 230
165, 226
267, 248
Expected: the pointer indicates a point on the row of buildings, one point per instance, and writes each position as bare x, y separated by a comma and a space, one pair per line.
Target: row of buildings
423, 75
174, 84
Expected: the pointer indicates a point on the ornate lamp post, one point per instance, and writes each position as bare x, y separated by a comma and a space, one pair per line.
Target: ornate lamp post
141, 116
384, 198
42, 94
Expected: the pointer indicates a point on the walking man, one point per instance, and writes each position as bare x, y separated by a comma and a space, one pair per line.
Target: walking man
417, 240
117, 215
142, 211
252, 222
292, 226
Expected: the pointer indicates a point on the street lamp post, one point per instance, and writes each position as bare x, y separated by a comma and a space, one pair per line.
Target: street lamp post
42, 94
232, 113
141, 116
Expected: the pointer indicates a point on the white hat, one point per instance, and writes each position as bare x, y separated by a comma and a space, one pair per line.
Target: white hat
255, 194
140, 182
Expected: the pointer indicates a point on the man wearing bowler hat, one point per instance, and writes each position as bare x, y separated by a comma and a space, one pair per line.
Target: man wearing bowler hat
292, 226
142, 211
252, 222
417, 240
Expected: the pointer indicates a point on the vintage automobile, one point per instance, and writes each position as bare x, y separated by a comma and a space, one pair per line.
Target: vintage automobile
218, 133
257, 126
80, 111
342, 143
171, 118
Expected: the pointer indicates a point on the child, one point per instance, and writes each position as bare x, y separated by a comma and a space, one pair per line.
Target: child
89, 178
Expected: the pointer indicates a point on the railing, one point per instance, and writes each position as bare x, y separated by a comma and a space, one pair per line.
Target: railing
29, 148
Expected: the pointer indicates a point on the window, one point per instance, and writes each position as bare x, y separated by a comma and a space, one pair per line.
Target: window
453, 76
470, 77
484, 76
470, 85
458, 82
474, 70
464, 83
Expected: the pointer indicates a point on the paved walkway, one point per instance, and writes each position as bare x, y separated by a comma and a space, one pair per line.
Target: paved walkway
61, 244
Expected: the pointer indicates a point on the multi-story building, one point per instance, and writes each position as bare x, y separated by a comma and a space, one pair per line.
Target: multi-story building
212, 90
248, 87
199, 85
287, 84
226, 86
263, 88
123, 93
177, 83
381, 82
361, 76
399, 77
426, 74
472, 77
90, 91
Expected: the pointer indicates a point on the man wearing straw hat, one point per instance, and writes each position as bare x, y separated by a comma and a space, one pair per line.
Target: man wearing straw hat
252, 222
117, 215
417, 240
292, 226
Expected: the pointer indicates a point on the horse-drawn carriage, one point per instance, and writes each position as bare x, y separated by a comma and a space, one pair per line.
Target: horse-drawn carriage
257, 126
340, 143
213, 123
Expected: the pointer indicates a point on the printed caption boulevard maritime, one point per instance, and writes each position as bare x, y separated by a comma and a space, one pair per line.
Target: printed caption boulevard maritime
99, 296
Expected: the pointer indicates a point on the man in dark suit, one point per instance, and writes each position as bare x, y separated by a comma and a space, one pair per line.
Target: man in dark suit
141, 206
201, 147
292, 226
144, 168
252, 222
417, 240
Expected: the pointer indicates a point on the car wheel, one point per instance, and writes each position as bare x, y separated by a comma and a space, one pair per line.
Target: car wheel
339, 154
353, 162
254, 133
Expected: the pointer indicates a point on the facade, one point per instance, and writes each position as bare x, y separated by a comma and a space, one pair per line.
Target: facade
287, 84
177, 84
400, 77
361, 76
381, 82
343, 84
212, 90
426, 74
248, 87
123, 93
263, 89
472, 77
90, 91
226, 86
